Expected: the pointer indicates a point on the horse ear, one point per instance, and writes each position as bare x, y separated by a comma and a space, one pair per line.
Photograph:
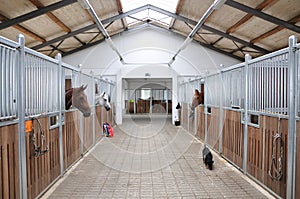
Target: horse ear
83, 87
103, 94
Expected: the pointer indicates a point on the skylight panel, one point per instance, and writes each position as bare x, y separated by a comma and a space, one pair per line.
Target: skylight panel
169, 5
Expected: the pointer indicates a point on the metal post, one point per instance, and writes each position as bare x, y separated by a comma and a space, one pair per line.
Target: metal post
60, 107
205, 109
245, 156
292, 86
21, 116
221, 112
93, 111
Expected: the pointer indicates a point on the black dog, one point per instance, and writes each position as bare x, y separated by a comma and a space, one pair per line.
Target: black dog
207, 158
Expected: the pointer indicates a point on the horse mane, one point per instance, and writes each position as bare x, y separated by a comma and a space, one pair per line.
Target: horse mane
68, 98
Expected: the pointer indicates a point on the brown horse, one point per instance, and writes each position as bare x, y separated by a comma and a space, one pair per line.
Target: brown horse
76, 97
198, 98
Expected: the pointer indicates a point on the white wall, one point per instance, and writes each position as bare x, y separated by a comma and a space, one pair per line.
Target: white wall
147, 51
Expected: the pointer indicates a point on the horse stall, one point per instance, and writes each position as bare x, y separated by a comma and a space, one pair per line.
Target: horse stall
188, 116
39, 138
250, 116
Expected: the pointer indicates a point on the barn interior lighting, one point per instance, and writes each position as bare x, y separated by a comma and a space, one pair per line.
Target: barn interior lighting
86, 5
216, 5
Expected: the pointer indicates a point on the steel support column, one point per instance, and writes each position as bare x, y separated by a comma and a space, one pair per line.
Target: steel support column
245, 155
21, 117
292, 104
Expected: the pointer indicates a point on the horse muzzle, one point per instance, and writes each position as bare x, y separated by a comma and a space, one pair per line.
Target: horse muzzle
107, 108
86, 114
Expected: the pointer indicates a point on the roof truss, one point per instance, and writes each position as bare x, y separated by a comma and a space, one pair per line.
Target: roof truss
162, 11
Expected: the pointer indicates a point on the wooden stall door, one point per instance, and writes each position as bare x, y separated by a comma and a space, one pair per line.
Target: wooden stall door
44, 168
233, 136
9, 162
87, 133
213, 128
98, 123
260, 148
184, 115
200, 122
71, 139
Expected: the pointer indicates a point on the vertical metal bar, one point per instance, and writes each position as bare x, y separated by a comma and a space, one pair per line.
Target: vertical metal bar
273, 87
221, 96
60, 121
282, 85
21, 116
292, 86
245, 155
278, 85
93, 107
205, 108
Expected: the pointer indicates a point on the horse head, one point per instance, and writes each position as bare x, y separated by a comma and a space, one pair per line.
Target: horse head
196, 99
77, 98
104, 100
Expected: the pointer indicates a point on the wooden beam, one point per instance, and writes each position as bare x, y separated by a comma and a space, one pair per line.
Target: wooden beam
35, 13
178, 11
179, 6
119, 6
263, 15
274, 30
260, 7
63, 26
24, 30
120, 11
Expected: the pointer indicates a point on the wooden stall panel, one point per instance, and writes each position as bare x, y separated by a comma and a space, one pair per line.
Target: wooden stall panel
104, 114
42, 168
184, 115
200, 122
9, 162
112, 111
71, 138
98, 123
260, 149
233, 136
87, 133
109, 117
54, 154
213, 128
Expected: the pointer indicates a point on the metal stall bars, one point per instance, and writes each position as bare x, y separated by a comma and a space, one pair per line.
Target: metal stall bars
213, 93
232, 109
187, 87
8, 68
267, 99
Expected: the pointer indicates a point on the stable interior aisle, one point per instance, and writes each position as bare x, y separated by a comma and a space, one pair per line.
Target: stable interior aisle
148, 157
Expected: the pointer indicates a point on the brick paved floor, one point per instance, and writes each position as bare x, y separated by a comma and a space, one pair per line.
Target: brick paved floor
151, 158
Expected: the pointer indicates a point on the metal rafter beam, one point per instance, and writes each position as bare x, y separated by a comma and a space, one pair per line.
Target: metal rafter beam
57, 21
89, 27
35, 13
147, 25
205, 27
162, 11
262, 15
260, 7
274, 30
24, 30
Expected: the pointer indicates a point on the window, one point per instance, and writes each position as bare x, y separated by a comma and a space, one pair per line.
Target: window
169, 5
145, 93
